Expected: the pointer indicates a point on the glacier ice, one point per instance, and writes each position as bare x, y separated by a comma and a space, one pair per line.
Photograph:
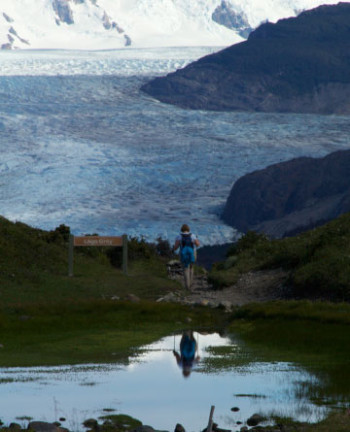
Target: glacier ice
81, 145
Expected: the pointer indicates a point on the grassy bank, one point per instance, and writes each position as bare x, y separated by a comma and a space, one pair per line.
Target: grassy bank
34, 269
317, 262
47, 317
91, 331
335, 422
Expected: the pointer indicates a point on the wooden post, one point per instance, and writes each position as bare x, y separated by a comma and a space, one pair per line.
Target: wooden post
125, 254
210, 423
70, 255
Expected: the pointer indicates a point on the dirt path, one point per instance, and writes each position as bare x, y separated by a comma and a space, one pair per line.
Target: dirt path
257, 286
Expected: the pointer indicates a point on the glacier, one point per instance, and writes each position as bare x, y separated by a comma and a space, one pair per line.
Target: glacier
82, 146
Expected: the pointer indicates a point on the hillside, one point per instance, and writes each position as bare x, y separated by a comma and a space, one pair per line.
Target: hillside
316, 264
291, 196
296, 65
34, 269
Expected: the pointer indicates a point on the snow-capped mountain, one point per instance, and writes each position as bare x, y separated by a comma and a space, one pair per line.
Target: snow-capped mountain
108, 24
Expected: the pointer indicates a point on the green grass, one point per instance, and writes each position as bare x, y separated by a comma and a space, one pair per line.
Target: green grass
317, 262
296, 310
47, 317
335, 422
90, 332
34, 269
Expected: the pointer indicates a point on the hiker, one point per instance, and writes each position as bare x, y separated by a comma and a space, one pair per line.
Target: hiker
187, 357
187, 243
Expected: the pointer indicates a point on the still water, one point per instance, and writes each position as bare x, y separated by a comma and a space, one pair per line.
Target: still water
153, 388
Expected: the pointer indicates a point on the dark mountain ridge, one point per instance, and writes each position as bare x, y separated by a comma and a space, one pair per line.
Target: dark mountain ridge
299, 64
290, 197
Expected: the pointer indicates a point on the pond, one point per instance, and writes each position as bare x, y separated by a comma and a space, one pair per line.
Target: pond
156, 388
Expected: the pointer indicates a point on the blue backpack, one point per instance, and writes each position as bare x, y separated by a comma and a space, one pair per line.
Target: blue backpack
187, 250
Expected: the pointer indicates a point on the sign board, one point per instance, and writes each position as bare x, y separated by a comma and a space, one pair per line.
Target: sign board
91, 241
98, 241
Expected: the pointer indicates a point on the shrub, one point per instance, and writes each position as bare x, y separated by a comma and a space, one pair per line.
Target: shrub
318, 261
250, 240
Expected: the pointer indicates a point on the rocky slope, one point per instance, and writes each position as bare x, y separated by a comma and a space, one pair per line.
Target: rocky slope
296, 65
291, 196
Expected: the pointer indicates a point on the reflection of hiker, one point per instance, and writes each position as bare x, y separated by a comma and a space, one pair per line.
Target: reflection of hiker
187, 357
187, 243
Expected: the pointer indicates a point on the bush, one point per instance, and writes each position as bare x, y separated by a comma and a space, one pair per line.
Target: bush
249, 241
58, 235
137, 249
163, 248
318, 261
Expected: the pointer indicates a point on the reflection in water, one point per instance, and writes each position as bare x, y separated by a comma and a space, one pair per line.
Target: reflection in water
151, 389
188, 356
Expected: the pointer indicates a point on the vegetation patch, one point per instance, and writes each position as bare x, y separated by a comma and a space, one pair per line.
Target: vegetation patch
295, 310
251, 396
120, 422
92, 331
34, 268
317, 261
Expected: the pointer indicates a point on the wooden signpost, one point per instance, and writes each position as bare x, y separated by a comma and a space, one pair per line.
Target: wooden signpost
90, 241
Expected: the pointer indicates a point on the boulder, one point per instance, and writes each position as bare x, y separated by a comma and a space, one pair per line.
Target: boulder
179, 428
41, 426
290, 197
144, 428
132, 298
255, 419
91, 423
15, 427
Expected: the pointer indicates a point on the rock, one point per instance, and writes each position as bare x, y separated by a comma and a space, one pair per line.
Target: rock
235, 409
133, 298
174, 269
7, 18
91, 423
226, 15
170, 297
267, 73
203, 302
216, 428
144, 428
127, 40
290, 197
6, 46
226, 305
15, 427
244, 429
63, 11
255, 419
40, 426
179, 428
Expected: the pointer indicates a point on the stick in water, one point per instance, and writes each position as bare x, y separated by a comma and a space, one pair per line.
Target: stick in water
210, 423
